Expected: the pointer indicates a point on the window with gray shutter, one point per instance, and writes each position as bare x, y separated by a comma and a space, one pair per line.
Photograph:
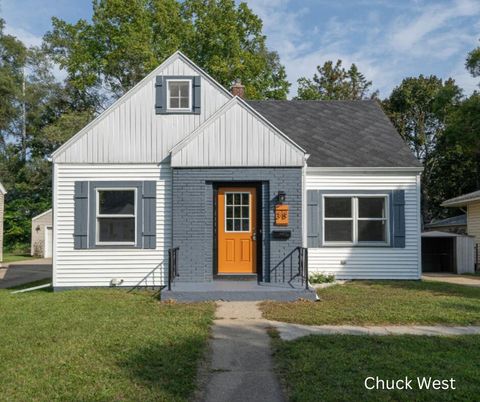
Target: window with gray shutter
178, 95
355, 218
115, 214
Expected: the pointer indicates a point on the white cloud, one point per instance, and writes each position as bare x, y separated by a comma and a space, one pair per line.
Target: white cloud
393, 41
28, 38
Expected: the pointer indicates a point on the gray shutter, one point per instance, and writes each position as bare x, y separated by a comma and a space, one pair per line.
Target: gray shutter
160, 95
149, 214
80, 215
313, 218
399, 218
197, 98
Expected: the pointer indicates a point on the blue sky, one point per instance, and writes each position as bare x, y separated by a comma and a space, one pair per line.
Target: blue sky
387, 39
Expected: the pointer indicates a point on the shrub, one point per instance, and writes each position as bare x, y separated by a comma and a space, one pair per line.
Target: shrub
321, 278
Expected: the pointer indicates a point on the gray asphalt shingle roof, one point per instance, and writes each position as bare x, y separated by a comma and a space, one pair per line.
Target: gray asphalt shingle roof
460, 220
339, 133
462, 199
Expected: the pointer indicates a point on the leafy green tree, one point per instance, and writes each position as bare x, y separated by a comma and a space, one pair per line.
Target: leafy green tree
127, 39
334, 82
419, 108
463, 130
12, 61
473, 62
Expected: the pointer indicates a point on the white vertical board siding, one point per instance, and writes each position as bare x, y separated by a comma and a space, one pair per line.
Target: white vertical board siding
371, 262
473, 220
465, 253
236, 136
96, 267
131, 132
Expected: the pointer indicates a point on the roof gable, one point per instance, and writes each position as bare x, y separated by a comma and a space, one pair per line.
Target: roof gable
129, 131
237, 136
2, 189
340, 133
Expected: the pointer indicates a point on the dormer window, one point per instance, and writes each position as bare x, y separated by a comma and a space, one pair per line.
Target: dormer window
179, 95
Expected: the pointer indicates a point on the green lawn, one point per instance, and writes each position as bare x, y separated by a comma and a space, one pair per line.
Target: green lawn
14, 257
99, 345
334, 368
383, 302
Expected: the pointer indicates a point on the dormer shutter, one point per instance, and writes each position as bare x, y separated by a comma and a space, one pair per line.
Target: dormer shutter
160, 95
197, 98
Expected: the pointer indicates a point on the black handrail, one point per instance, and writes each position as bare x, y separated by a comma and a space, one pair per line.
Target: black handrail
293, 266
172, 266
149, 279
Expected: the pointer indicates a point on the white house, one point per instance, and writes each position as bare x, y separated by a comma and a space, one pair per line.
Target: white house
240, 188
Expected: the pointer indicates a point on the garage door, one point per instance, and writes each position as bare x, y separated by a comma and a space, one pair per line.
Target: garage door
48, 242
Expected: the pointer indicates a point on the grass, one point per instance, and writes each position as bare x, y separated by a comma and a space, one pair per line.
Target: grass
334, 368
383, 302
99, 345
14, 257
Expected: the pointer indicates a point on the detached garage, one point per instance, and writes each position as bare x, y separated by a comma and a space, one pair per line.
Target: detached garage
42, 241
447, 253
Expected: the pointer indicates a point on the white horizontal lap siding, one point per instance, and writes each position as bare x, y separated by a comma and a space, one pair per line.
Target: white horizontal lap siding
96, 267
370, 262
131, 131
237, 137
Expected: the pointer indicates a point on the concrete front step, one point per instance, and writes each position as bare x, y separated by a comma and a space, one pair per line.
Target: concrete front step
281, 295
234, 291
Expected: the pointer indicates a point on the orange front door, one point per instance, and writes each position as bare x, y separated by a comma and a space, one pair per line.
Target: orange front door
236, 227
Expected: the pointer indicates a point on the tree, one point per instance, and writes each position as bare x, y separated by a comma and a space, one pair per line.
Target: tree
419, 108
463, 130
473, 62
12, 61
127, 39
334, 82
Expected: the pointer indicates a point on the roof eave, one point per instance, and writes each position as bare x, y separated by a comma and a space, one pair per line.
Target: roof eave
400, 169
459, 203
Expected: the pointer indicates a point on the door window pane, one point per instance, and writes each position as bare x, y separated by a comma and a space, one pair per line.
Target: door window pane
340, 231
369, 207
338, 207
237, 212
372, 231
116, 230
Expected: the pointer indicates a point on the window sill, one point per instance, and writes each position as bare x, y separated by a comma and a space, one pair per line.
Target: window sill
358, 245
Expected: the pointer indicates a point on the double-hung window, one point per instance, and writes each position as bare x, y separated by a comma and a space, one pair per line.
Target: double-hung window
179, 94
116, 216
358, 220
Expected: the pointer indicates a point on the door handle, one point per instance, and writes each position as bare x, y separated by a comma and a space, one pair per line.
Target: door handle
254, 235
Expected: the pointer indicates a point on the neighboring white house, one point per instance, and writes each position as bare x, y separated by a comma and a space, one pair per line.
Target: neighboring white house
2, 211
42, 235
239, 187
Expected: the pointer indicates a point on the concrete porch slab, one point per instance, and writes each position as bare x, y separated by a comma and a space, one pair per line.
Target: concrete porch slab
234, 291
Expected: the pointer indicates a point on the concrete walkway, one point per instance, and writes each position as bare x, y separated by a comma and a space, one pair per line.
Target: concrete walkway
21, 272
241, 366
290, 331
467, 280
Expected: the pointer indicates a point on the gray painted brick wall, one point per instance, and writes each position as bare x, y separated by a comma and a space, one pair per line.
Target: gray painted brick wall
193, 215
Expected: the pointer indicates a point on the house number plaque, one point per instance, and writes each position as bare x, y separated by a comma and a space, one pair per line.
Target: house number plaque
281, 215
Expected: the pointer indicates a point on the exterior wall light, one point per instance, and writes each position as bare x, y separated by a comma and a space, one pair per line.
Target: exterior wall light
281, 197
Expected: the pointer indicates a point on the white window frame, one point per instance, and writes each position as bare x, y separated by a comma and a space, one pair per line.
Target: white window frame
249, 212
98, 216
354, 201
190, 86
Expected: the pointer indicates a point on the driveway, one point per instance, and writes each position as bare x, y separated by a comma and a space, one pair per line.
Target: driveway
467, 280
21, 272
